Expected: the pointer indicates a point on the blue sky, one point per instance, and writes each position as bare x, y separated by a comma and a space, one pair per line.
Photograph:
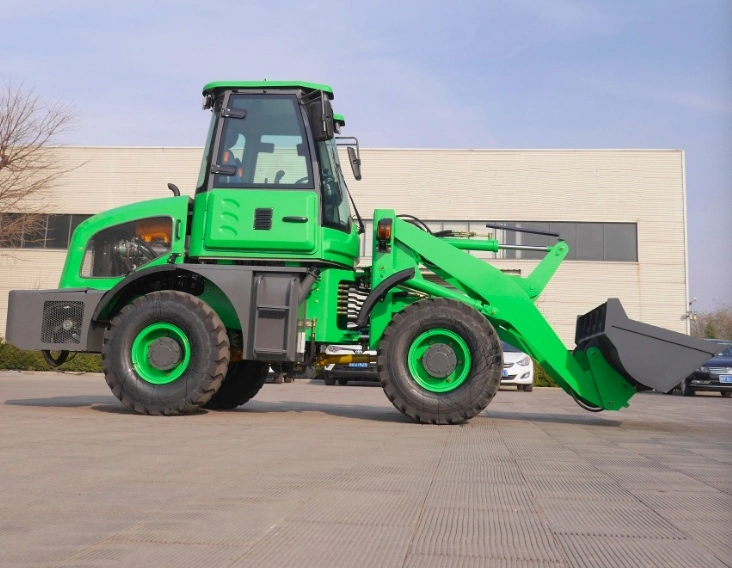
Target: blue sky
413, 74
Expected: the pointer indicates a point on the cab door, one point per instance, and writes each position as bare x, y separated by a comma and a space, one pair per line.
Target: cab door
262, 221
263, 200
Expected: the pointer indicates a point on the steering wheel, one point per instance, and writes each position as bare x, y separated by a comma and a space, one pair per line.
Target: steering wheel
303, 180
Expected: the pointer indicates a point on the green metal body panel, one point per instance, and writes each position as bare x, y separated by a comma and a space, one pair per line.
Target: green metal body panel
340, 247
507, 301
221, 304
230, 222
174, 207
223, 227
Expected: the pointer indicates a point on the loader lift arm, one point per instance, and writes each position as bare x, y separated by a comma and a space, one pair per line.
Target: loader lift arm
594, 373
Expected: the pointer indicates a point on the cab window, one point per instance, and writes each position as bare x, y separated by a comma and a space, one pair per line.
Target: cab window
263, 144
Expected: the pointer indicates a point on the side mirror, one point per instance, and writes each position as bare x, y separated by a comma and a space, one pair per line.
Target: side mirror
320, 113
355, 163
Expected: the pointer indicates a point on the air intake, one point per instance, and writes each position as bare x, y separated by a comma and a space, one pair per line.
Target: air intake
262, 219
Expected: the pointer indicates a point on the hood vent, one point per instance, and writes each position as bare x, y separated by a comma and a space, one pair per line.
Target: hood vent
262, 219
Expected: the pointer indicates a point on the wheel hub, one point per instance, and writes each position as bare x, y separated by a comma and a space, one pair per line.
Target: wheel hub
160, 353
164, 354
439, 360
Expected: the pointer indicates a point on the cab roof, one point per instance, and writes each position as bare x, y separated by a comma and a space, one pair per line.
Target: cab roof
307, 87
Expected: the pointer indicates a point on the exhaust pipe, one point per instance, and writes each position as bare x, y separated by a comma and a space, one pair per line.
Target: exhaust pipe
649, 357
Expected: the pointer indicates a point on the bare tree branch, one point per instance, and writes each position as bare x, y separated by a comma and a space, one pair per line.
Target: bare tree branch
716, 324
29, 128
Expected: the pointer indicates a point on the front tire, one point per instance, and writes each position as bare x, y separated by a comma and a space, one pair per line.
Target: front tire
686, 389
243, 381
165, 353
528, 388
440, 361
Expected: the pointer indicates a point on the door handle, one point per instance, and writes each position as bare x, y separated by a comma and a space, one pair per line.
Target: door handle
293, 219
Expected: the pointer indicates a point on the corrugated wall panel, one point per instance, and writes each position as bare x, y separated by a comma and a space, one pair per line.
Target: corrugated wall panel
102, 178
636, 186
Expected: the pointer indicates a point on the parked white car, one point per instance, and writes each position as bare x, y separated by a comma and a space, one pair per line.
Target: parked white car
518, 368
349, 371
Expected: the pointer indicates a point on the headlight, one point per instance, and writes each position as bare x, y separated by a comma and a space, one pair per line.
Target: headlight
524, 362
703, 369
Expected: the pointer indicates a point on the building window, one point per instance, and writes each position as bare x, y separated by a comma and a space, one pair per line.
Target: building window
613, 242
51, 232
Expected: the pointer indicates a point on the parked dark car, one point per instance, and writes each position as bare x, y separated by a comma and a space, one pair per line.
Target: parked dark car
715, 375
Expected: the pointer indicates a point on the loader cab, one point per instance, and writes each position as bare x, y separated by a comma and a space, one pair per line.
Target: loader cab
270, 184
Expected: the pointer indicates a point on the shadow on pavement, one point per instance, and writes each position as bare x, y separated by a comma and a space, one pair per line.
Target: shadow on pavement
63, 401
586, 420
376, 413
110, 405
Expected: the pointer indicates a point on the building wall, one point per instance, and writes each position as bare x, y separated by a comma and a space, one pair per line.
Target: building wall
645, 187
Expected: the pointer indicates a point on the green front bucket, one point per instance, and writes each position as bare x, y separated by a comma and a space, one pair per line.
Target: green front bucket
646, 355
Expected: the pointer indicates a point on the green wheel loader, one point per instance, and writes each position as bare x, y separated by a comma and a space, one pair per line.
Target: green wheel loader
190, 301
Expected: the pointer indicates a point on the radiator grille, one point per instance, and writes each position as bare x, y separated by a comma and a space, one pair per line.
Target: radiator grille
62, 322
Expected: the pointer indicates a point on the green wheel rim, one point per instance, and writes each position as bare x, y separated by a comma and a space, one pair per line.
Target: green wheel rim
141, 347
419, 372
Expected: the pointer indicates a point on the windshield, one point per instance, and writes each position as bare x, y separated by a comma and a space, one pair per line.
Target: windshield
204, 160
336, 212
727, 352
263, 144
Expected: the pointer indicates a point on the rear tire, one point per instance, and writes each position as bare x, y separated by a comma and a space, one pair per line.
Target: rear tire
686, 389
440, 361
243, 381
726, 394
328, 379
165, 353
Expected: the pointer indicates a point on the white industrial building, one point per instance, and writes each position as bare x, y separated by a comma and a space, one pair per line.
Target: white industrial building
622, 212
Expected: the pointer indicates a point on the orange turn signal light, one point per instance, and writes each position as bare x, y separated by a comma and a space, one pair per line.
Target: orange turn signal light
383, 230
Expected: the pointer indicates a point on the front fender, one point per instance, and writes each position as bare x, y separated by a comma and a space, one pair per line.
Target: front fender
76, 273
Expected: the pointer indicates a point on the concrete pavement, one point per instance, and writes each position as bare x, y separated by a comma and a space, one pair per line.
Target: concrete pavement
309, 475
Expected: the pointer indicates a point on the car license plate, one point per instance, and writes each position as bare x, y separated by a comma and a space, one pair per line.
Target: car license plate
358, 365
725, 378
505, 373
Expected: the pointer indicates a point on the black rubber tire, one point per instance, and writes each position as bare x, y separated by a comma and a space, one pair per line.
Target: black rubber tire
686, 389
328, 379
467, 400
726, 394
208, 361
343, 382
528, 388
243, 381
519, 387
